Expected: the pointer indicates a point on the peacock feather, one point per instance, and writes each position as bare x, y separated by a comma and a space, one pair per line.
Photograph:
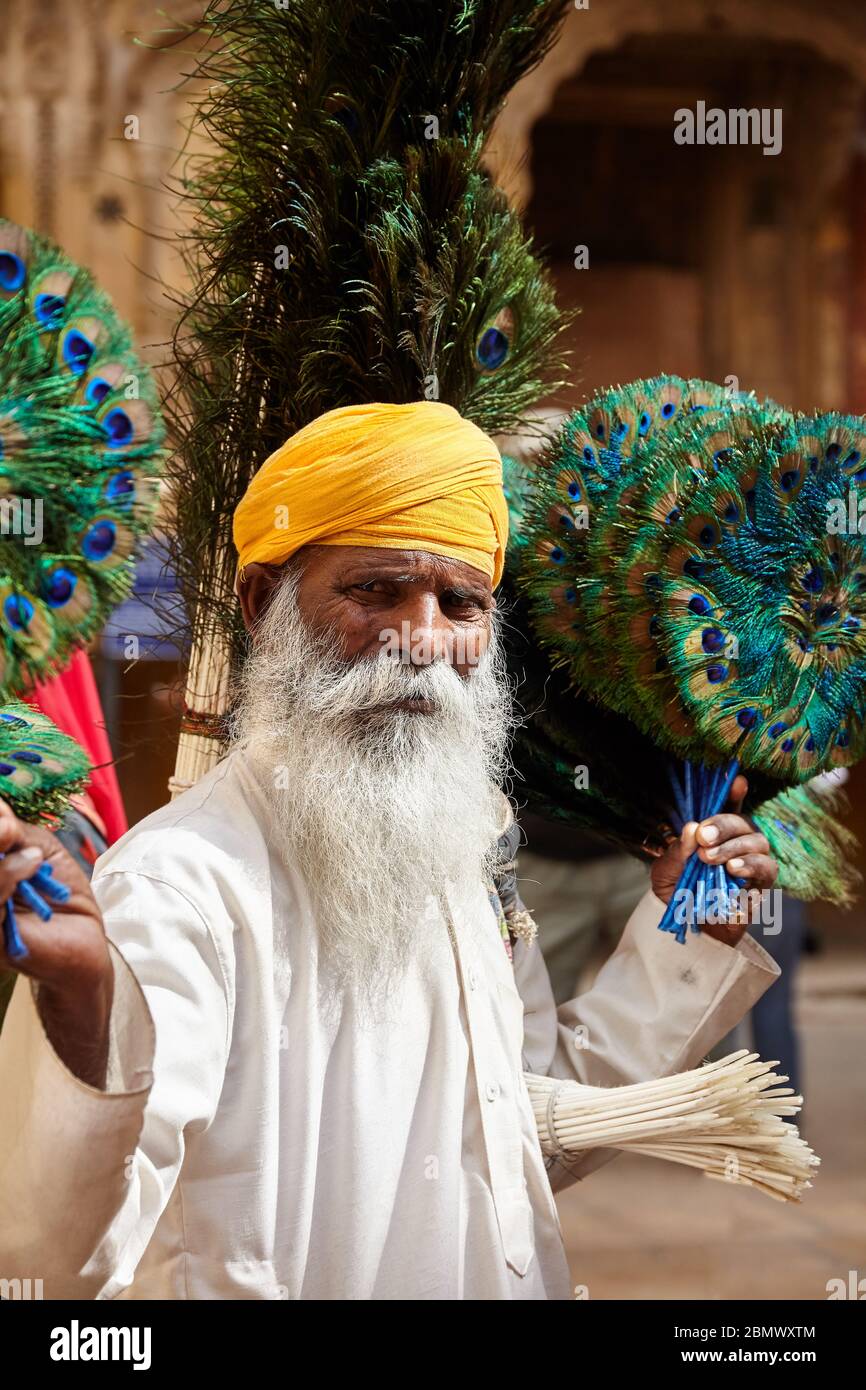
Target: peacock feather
365, 255
80, 448
701, 593
696, 602
40, 767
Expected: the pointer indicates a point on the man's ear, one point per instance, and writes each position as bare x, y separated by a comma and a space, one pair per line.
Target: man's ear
254, 593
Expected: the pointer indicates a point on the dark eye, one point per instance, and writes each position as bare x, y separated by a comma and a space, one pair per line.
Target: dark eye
454, 599
367, 586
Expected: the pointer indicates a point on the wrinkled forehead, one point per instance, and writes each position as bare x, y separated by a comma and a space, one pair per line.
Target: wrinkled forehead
406, 564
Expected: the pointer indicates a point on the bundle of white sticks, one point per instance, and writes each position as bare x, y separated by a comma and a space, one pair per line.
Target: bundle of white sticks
724, 1118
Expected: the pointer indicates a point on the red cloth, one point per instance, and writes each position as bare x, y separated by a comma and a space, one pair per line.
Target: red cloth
71, 700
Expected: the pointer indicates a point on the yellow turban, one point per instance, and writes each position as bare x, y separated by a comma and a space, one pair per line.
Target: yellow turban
403, 477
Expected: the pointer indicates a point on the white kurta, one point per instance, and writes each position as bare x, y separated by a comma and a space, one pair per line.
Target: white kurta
253, 1142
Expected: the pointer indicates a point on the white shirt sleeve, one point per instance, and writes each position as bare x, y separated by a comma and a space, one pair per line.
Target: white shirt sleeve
655, 1008
84, 1173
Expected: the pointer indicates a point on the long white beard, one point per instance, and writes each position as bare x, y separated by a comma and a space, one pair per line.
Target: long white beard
379, 809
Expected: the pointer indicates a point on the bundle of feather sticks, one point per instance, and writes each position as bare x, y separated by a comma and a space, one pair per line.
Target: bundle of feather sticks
725, 1118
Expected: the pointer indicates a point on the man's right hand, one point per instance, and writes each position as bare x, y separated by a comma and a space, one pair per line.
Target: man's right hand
68, 954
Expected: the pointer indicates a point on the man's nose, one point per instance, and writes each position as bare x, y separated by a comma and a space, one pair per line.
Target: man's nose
425, 632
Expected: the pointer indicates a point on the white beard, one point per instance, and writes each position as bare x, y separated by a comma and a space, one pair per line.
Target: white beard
379, 809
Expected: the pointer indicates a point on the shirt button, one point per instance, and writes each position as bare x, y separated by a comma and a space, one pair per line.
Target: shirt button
473, 979
492, 1091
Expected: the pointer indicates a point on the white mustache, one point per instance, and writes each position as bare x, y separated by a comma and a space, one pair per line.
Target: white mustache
376, 682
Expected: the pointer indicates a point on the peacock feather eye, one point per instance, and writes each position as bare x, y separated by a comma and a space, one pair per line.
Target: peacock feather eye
47, 296
695, 568
49, 310
551, 553
494, 342
748, 718
570, 487
13, 272
18, 612
96, 390
813, 581
120, 487
699, 605
788, 474
718, 673
77, 351
99, 540
559, 518
731, 510
625, 427
27, 755
670, 397
705, 531
119, 427
600, 424
644, 424
713, 640
58, 587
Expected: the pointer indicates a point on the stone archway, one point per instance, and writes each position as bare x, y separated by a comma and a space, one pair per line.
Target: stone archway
836, 31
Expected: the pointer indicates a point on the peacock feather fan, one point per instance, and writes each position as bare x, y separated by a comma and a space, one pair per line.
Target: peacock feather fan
700, 590
695, 539
80, 448
40, 767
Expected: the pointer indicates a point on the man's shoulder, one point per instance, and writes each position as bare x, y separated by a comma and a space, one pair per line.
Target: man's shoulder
213, 825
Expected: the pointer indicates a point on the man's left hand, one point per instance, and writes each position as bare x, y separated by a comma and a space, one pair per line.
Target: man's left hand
728, 839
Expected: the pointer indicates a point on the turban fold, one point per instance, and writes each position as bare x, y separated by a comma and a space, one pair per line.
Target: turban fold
402, 477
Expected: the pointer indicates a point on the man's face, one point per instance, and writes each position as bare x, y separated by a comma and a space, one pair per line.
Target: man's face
421, 606
382, 758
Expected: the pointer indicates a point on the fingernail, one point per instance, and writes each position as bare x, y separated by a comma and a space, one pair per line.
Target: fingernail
31, 852
709, 833
711, 853
735, 864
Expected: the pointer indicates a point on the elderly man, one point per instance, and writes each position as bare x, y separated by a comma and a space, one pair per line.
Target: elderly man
279, 1051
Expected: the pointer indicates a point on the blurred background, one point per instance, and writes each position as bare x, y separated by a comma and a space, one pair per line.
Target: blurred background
714, 261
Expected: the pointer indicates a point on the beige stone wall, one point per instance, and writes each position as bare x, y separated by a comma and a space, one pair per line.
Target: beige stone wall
77, 78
